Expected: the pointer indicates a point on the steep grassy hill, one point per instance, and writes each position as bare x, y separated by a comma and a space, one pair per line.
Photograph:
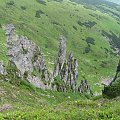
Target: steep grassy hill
93, 35
88, 31
25, 102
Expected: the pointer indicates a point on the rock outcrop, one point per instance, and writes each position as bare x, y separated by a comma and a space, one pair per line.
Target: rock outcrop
84, 87
26, 56
27, 60
116, 75
66, 69
61, 56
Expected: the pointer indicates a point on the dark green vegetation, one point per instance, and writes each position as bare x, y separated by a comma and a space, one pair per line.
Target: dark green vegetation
115, 40
113, 90
92, 31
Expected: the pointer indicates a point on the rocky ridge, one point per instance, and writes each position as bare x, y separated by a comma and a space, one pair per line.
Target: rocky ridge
28, 59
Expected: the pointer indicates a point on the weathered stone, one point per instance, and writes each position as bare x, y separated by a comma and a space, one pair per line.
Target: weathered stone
36, 81
84, 87
26, 56
5, 107
72, 71
66, 69
61, 56
113, 89
2, 69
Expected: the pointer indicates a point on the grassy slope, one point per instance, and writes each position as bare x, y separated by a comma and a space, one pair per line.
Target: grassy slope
45, 34
30, 103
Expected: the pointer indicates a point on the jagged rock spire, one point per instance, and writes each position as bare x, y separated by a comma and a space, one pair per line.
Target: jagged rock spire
27, 58
72, 71
61, 56
67, 69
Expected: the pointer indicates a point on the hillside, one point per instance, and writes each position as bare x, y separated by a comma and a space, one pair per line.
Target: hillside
27, 102
43, 22
115, 1
86, 33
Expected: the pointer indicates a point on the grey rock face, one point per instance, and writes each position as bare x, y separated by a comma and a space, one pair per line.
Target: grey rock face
2, 69
28, 59
26, 56
36, 81
61, 56
67, 69
84, 87
72, 71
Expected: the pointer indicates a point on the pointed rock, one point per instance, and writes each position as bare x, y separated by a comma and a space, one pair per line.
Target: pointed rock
61, 56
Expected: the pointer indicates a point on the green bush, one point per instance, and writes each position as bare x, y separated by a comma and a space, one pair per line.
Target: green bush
10, 3
38, 13
90, 40
87, 49
23, 8
75, 28
112, 91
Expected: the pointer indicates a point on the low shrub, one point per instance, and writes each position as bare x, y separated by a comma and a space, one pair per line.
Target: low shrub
10, 3
23, 8
39, 13
112, 90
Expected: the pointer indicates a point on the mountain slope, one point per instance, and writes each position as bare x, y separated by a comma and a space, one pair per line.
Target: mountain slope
83, 27
93, 35
115, 1
30, 103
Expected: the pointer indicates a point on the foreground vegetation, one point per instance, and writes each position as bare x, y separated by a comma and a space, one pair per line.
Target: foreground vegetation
24, 101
